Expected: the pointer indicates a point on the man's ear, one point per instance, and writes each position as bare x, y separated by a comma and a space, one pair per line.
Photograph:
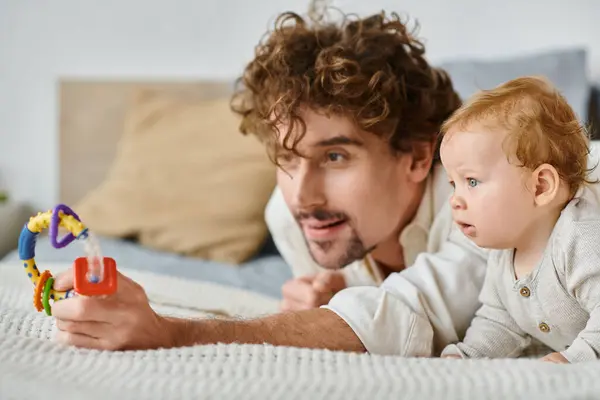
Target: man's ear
546, 184
421, 160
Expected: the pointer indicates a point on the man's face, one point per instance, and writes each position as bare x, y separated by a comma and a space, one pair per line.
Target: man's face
347, 191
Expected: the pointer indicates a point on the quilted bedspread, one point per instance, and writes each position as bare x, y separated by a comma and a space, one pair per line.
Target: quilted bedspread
33, 366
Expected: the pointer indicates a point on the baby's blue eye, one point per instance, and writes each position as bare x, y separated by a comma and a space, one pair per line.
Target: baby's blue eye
472, 182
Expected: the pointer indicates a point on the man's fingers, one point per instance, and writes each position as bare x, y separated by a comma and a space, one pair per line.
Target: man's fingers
82, 308
301, 294
64, 280
87, 328
307, 278
78, 340
329, 282
299, 291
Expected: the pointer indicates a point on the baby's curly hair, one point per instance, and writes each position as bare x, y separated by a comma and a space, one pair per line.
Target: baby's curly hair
371, 70
541, 126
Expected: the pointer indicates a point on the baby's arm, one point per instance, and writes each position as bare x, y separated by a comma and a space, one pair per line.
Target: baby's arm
582, 276
493, 332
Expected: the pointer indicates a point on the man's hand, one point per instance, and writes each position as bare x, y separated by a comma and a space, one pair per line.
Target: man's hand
311, 291
123, 320
556, 358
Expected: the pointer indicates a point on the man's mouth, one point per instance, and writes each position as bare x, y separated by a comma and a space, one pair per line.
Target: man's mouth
326, 224
322, 225
323, 230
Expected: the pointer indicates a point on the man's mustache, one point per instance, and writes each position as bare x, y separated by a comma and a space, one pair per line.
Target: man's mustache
321, 215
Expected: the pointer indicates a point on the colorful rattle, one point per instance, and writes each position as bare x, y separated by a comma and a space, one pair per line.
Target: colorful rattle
93, 274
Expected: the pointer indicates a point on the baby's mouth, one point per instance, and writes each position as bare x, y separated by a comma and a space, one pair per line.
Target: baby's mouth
467, 229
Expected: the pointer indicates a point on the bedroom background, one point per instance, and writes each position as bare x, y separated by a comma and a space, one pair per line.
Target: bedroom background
133, 60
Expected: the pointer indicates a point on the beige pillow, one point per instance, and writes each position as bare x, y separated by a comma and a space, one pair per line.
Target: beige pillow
185, 181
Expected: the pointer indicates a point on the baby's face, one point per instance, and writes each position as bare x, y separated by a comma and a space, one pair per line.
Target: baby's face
491, 203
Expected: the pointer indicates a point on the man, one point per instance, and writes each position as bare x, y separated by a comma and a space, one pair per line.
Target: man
350, 113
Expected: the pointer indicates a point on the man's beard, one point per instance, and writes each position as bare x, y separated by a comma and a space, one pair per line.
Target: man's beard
354, 250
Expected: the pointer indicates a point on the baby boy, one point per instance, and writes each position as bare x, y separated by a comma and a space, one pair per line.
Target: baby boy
517, 157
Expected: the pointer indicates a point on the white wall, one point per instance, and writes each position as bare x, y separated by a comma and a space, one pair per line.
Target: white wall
487, 28
43, 40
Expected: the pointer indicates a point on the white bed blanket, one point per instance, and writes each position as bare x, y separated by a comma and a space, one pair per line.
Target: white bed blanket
31, 366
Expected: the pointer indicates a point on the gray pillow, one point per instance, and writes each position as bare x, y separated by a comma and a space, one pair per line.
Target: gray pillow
566, 69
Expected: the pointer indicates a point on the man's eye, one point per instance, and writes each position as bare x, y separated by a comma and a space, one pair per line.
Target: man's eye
335, 157
472, 182
284, 158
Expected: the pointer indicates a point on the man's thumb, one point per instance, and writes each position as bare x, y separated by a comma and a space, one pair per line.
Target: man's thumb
64, 280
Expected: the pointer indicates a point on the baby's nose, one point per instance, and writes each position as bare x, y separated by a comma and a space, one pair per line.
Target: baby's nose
457, 203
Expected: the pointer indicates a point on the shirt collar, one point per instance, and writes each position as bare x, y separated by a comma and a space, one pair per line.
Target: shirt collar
414, 237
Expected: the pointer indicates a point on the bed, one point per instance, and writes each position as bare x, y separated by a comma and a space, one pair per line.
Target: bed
31, 365
92, 117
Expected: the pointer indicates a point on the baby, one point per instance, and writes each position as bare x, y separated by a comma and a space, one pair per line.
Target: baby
517, 158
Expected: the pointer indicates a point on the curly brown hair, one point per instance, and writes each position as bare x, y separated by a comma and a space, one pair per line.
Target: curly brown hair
371, 70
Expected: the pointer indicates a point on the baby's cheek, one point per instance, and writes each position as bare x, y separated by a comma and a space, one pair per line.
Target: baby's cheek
492, 210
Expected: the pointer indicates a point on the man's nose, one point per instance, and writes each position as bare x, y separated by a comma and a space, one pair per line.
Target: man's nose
309, 191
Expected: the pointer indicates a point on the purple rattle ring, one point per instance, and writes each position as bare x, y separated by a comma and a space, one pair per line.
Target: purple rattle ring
55, 222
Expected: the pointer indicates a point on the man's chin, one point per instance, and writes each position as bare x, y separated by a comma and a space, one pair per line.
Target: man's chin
325, 255
324, 260
330, 255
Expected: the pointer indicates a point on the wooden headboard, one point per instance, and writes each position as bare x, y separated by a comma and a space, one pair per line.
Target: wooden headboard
92, 115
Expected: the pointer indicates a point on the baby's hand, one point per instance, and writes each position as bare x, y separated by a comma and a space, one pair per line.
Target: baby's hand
556, 358
312, 291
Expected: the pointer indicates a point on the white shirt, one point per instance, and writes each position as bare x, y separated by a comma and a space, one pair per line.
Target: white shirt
415, 312
558, 303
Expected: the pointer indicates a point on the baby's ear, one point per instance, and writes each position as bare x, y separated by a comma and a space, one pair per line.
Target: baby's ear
546, 184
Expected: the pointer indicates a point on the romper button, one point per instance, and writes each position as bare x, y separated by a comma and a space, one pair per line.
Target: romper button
544, 327
525, 292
